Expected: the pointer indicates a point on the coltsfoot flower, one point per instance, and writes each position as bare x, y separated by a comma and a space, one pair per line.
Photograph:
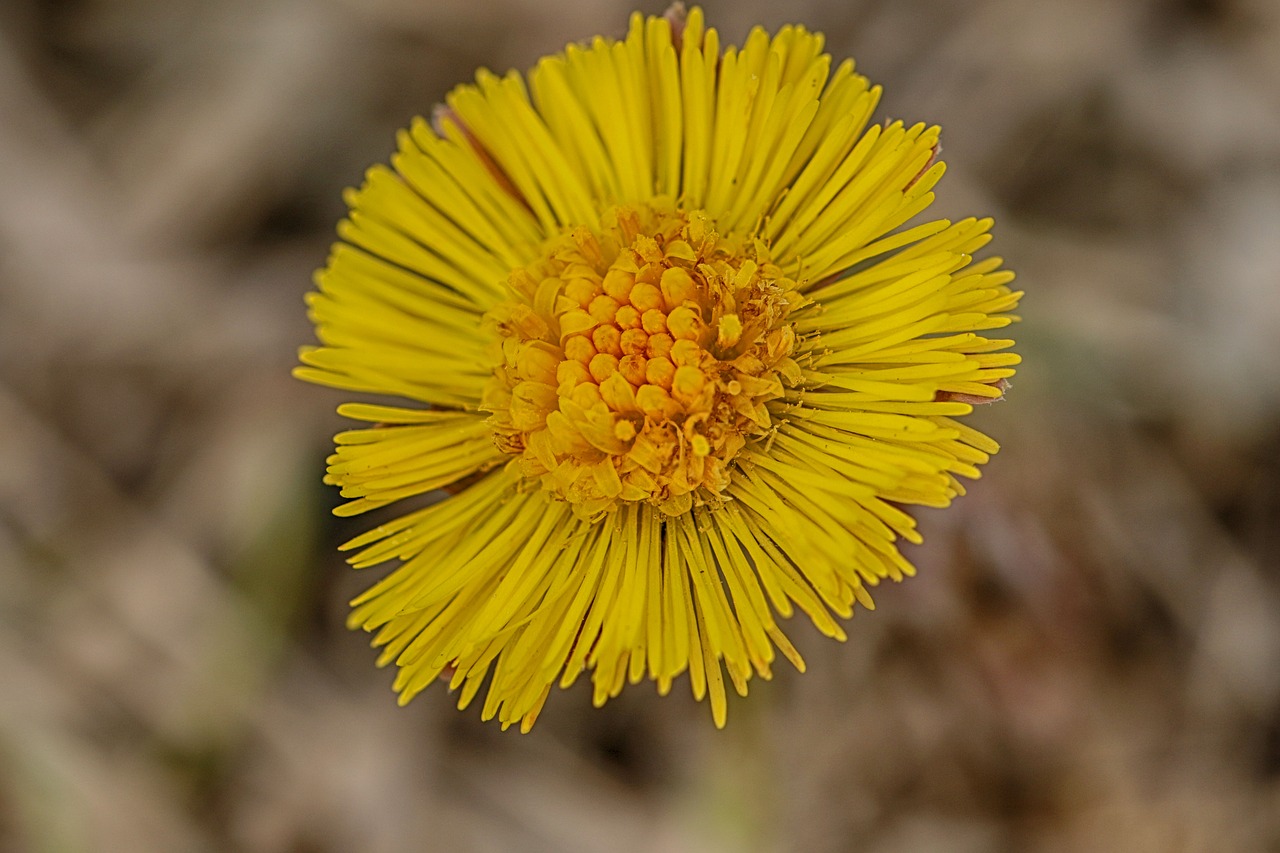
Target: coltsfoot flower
677, 346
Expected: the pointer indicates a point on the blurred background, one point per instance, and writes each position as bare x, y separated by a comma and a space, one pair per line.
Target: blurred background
1088, 661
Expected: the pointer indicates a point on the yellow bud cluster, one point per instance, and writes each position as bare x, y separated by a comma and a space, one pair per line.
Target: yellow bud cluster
636, 361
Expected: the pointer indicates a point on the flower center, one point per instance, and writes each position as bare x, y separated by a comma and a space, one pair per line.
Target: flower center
637, 359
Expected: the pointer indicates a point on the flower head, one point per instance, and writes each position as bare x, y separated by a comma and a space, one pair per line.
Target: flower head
675, 350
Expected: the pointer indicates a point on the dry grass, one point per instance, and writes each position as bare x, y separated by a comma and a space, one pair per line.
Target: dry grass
1089, 661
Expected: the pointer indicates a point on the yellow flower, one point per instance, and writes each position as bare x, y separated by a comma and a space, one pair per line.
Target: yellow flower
671, 348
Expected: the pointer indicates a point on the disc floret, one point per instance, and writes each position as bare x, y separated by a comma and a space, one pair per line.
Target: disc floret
636, 359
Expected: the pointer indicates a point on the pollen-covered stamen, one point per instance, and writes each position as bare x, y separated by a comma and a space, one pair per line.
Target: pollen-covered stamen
636, 361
